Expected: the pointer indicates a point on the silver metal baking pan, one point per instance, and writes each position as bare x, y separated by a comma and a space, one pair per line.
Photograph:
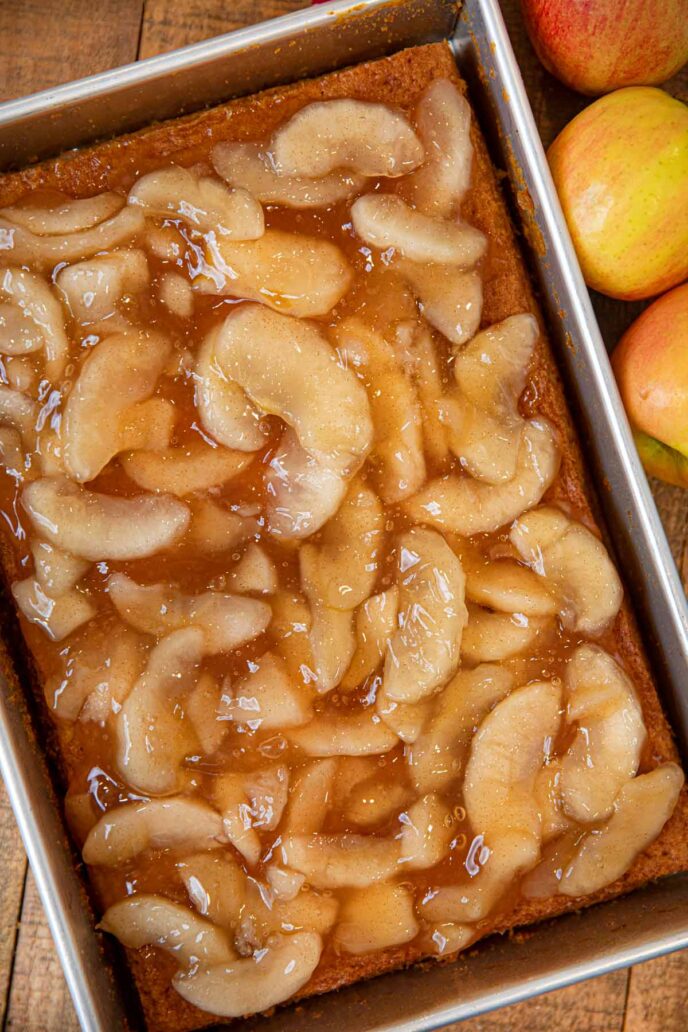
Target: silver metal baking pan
647, 923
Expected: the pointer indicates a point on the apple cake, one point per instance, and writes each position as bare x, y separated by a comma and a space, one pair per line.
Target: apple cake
295, 521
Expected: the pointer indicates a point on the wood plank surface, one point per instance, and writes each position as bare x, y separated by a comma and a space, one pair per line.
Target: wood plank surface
13, 868
42, 43
39, 1000
46, 42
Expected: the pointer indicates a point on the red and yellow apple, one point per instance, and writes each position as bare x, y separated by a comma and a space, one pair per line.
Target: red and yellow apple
621, 171
595, 46
651, 366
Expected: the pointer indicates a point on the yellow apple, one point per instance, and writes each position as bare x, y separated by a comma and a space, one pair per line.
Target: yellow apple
651, 366
621, 171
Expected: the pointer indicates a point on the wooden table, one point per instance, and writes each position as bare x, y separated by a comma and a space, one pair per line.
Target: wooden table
44, 42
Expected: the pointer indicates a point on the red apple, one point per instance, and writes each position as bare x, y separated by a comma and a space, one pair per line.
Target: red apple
595, 46
651, 366
621, 171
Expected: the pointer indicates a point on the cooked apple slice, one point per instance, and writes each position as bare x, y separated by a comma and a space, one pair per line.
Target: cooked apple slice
99, 671
204, 203
397, 453
297, 275
216, 884
448, 937
554, 821
267, 791
507, 754
371, 139
493, 637
289, 630
202, 707
23, 247
286, 884
18, 412
303, 492
64, 216
450, 299
12, 458
642, 808
376, 918
425, 833
247, 166
177, 823
376, 621
466, 506
255, 573
425, 367
41, 324
405, 719
227, 621
93, 288
266, 698
443, 122
56, 571
357, 734
152, 735
341, 861
100, 417
265, 916
186, 469
253, 984
351, 772
374, 800
439, 753
19, 336
57, 616
225, 410
310, 797
97, 526
147, 919
217, 528
288, 369
424, 651
340, 571
176, 294
250, 801
507, 586
602, 705
386, 221
490, 374
564, 553
492, 369
333, 644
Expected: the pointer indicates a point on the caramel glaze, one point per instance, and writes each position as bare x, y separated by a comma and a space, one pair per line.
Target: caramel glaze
87, 749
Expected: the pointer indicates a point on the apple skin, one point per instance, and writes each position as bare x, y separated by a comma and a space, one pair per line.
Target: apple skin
595, 46
651, 366
621, 171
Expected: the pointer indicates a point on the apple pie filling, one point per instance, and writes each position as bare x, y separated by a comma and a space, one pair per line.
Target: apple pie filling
329, 662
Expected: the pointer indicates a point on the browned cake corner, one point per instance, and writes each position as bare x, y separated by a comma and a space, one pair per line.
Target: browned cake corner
398, 80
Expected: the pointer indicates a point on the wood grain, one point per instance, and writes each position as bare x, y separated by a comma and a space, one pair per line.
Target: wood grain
594, 1006
658, 995
39, 1000
43, 43
176, 23
13, 868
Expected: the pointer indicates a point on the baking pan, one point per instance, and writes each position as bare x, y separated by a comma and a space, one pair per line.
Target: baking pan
646, 924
